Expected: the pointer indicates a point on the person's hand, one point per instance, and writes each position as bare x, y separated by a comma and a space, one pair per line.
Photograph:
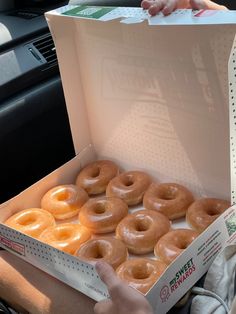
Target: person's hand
205, 4
164, 6
124, 299
168, 6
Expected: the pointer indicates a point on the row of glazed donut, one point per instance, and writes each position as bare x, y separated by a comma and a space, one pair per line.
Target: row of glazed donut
141, 273
103, 176
101, 215
141, 232
147, 230
171, 199
134, 187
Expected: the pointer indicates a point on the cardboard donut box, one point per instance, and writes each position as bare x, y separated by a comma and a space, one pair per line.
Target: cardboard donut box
154, 94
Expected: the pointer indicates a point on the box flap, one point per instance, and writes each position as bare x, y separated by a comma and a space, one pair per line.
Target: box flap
134, 15
150, 97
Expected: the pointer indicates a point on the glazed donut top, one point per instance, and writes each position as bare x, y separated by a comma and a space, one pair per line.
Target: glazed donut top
171, 199
141, 273
129, 186
101, 215
31, 221
64, 201
173, 243
141, 230
95, 177
66, 237
204, 211
108, 249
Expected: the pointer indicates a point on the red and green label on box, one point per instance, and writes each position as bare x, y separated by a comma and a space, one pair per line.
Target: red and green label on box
89, 12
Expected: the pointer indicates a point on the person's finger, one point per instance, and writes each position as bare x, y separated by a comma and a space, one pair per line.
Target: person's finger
169, 7
117, 288
107, 275
122, 295
156, 7
145, 4
104, 307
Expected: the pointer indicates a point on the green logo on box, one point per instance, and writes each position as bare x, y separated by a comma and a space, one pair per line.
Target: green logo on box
231, 224
89, 12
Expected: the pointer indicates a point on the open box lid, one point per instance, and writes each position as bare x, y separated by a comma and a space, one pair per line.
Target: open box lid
152, 97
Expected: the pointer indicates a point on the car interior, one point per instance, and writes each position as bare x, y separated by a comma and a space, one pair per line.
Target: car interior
35, 136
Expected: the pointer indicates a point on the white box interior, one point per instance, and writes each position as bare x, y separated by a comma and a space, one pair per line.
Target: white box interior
151, 98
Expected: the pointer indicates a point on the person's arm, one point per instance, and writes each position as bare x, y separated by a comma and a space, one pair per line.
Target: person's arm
168, 6
206, 5
124, 299
30, 290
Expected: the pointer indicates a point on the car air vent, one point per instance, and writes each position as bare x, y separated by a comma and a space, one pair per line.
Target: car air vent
46, 48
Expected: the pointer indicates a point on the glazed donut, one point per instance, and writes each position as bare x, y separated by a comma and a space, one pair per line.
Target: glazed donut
102, 215
173, 243
66, 237
129, 186
204, 211
171, 199
141, 230
141, 273
95, 177
31, 221
107, 249
64, 201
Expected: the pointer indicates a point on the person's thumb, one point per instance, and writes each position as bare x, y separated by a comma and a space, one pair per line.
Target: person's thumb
107, 275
